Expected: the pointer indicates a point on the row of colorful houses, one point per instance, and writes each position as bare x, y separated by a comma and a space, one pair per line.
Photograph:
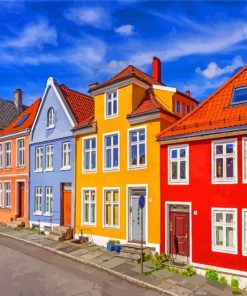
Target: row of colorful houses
84, 160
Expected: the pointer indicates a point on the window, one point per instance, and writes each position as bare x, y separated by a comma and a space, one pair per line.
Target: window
111, 152
51, 118
111, 207
188, 109
49, 158
239, 95
1, 155
224, 224
7, 195
7, 156
137, 157
38, 158
225, 162
244, 232
88, 206
111, 104
1, 195
20, 152
178, 165
244, 157
38, 199
48, 200
66, 155
89, 164
178, 106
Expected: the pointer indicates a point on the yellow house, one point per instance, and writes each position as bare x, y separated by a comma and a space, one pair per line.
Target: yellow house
118, 158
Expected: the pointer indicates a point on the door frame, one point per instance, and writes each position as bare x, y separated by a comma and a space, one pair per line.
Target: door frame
62, 203
129, 187
167, 222
17, 198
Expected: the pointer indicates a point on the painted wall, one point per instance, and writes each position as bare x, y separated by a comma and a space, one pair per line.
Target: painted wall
204, 195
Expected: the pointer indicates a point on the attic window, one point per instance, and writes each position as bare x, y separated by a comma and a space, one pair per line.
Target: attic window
20, 122
239, 95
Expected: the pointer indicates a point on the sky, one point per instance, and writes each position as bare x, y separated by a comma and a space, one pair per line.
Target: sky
201, 44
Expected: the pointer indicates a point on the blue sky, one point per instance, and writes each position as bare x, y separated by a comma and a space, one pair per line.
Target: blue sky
201, 44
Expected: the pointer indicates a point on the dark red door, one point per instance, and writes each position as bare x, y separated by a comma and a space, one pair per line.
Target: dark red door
179, 233
66, 205
22, 196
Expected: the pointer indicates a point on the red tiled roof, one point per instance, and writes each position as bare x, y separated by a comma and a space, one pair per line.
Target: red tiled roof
89, 121
81, 105
126, 73
216, 112
29, 115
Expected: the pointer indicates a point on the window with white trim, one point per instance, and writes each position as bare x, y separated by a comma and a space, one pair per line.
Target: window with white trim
137, 149
225, 161
89, 206
111, 151
7, 156
1, 155
20, 152
178, 107
7, 194
48, 200
111, 104
188, 109
1, 195
244, 156
38, 199
49, 158
89, 164
66, 159
244, 230
178, 167
51, 118
224, 230
38, 158
111, 208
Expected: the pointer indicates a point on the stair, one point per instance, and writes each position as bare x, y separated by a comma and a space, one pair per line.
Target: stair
18, 222
60, 233
133, 252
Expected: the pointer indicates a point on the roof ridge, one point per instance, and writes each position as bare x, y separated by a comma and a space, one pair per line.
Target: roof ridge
73, 90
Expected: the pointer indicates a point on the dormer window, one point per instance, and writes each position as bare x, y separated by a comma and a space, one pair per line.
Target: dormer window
51, 118
239, 95
111, 108
178, 107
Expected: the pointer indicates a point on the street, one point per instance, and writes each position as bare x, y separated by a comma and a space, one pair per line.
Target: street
28, 270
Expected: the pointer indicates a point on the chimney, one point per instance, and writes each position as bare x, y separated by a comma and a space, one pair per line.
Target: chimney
92, 85
188, 93
156, 69
18, 98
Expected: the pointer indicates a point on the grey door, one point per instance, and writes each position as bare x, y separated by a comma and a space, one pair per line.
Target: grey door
135, 220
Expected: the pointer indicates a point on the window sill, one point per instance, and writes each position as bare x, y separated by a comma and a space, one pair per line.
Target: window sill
89, 171
106, 170
37, 213
233, 252
215, 181
134, 168
50, 127
21, 167
110, 117
8, 168
48, 214
65, 169
111, 227
178, 183
38, 171
49, 170
6, 208
88, 224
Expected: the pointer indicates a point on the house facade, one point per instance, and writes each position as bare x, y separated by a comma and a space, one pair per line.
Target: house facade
52, 153
14, 166
118, 158
203, 182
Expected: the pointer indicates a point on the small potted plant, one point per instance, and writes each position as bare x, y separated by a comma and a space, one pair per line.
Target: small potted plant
110, 245
117, 246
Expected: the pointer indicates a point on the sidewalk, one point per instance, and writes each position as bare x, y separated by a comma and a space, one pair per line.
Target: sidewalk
160, 280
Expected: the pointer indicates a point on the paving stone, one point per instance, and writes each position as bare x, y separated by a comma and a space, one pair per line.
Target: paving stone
79, 252
101, 259
198, 279
216, 285
188, 285
123, 267
162, 274
204, 291
132, 273
165, 284
149, 264
113, 263
90, 256
180, 291
138, 269
69, 249
177, 278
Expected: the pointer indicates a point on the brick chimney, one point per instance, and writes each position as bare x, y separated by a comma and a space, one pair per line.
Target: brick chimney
188, 93
18, 98
156, 69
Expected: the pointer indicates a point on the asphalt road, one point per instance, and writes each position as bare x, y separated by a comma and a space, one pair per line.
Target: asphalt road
27, 270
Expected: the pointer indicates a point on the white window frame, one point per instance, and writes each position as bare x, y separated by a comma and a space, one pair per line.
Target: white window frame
4, 195
244, 159
180, 104
7, 152
137, 166
49, 195
112, 100
244, 232
224, 249
1, 155
50, 118
90, 202
112, 168
224, 180
38, 194
66, 155
1, 195
90, 150
178, 181
49, 158
39, 158
18, 151
105, 189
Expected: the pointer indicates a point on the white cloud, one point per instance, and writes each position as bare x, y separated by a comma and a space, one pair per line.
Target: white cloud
213, 70
93, 16
125, 30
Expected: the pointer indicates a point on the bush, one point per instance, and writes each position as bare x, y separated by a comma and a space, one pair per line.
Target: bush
212, 275
235, 286
189, 271
223, 280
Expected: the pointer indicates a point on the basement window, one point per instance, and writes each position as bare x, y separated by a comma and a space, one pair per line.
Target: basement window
239, 95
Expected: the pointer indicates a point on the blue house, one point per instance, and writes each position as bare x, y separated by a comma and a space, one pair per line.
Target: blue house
52, 157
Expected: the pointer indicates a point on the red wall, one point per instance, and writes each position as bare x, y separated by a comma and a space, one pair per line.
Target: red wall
204, 195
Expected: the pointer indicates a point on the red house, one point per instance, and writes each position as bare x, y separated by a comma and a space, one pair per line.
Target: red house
204, 182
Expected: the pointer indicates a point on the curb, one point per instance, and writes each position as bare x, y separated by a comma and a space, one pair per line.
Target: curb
113, 272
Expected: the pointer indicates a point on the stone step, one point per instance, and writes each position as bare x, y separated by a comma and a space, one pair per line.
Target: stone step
136, 248
15, 224
62, 229
54, 237
134, 257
